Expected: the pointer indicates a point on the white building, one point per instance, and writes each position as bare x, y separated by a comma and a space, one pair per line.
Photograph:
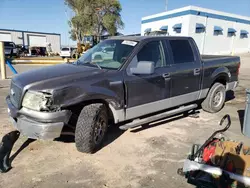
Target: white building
214, 32
31, 38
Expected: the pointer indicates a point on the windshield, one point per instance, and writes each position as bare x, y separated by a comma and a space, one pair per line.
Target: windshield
9, 44
109, 54
65, 49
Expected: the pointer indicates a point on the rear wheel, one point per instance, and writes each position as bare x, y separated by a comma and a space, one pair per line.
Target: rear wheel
215, 99
91, 128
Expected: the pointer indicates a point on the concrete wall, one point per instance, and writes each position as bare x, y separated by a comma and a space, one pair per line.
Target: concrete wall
241, 45
207, 42
221, 44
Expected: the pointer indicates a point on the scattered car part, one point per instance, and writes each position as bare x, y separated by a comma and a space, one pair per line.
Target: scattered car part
210, 139
6, 146
218, 162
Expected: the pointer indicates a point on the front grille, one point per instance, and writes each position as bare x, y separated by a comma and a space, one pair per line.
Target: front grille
15, 94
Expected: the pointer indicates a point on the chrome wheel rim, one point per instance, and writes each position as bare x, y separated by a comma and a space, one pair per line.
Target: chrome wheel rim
217, 99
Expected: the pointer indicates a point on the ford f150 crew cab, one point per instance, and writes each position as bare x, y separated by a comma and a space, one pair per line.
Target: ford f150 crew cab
145, 79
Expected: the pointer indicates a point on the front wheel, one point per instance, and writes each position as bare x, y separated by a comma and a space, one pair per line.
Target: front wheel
215, 99
91, 128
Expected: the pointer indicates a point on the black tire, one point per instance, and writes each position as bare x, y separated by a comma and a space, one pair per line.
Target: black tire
215, 99
91, 119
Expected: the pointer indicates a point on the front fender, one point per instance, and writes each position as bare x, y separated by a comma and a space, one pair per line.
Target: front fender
75, 95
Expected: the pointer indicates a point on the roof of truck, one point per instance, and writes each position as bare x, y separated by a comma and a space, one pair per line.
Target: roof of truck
141, 38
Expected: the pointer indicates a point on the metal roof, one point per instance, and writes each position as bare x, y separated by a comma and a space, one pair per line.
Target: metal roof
22, 31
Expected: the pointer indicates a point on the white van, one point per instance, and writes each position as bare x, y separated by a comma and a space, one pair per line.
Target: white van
68, 52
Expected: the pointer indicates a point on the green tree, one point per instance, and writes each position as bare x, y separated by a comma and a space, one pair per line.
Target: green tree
94, 17
79, 22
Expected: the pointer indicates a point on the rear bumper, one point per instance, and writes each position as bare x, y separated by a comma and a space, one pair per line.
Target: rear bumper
65, 55
38, 125
232, 85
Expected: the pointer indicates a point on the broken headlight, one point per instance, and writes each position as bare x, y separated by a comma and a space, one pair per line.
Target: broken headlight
37, 101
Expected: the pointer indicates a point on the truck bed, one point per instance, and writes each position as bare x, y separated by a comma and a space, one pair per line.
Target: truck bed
219, 58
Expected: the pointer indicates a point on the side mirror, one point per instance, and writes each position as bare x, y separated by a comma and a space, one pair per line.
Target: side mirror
143, 67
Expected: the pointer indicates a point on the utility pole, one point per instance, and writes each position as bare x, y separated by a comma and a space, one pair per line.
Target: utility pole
2, 61
166, 5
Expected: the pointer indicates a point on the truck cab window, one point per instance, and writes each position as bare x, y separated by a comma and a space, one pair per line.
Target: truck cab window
152, 51
182, 51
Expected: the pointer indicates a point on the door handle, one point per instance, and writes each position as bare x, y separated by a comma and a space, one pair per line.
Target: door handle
165, 75
197, 71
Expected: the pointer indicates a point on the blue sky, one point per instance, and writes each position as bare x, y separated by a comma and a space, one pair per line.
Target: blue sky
49, 15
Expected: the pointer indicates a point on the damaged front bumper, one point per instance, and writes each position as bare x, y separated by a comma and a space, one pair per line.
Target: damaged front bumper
38, 125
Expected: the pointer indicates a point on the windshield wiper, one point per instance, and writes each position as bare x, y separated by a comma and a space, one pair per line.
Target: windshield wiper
89, 62
96, 65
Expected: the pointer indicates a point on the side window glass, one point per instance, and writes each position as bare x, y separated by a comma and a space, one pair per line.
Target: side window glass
132, 64
152, 51
182, 51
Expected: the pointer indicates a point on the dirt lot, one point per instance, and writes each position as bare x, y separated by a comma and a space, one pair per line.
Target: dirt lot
143, 157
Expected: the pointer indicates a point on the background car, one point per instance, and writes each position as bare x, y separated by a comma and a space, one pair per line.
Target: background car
68, 52
10, 49
104, 53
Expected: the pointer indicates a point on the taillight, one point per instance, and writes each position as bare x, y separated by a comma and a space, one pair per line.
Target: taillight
238, 69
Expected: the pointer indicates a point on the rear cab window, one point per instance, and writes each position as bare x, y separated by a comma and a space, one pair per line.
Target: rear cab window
9, 45
181, 51
65, 49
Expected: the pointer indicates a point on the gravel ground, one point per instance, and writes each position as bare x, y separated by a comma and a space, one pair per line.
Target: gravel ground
144, 157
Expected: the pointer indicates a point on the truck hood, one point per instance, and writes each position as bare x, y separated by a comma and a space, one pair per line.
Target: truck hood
48, 77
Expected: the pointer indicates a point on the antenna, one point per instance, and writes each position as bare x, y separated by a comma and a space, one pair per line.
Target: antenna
166, 5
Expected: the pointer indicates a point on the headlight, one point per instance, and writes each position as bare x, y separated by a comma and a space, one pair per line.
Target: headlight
36, 101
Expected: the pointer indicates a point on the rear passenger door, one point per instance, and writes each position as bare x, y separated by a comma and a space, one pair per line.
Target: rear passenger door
185, 71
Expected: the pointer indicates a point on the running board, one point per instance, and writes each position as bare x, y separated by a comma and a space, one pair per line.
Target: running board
139, 122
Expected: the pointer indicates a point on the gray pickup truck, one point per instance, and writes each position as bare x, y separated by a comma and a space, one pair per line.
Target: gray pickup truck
144, 79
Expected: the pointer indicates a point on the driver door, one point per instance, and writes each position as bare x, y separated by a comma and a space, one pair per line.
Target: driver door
144, 92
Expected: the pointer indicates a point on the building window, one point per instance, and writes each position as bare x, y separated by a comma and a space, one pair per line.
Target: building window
200, 28
243, 34
177, 28
218, 30
231, 32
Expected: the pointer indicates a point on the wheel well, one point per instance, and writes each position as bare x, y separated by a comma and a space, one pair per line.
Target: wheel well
76, 110
221, 79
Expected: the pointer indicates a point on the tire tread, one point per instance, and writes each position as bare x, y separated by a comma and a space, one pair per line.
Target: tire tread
85, 127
